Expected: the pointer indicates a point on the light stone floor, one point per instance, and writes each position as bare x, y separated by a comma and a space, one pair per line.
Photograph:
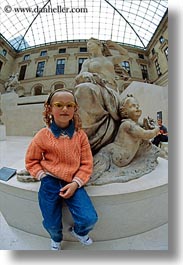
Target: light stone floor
13, 149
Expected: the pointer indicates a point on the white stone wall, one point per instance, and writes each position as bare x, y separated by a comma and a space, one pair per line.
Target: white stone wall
152, 98
23, 116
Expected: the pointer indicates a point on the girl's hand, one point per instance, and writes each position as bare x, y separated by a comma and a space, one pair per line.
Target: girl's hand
68, 190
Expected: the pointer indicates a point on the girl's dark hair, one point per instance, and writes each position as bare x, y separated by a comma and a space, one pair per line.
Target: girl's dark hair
47, 117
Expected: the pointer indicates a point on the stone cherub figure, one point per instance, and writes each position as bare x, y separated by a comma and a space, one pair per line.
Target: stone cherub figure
131, 136
130, 133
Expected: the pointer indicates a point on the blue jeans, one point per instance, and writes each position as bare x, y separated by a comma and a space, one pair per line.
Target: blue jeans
80, 206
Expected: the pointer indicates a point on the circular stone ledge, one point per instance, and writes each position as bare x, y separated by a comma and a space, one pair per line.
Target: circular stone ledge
124, 209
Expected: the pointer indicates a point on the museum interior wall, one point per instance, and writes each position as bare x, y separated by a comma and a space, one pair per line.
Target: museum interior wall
42, 69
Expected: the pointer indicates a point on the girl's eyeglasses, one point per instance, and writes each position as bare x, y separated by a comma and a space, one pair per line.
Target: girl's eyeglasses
61, 105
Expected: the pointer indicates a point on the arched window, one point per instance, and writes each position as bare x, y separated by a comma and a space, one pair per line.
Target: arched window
58, 86
37, 90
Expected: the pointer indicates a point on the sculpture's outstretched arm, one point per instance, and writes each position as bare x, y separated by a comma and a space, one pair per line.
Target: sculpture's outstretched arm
123, 53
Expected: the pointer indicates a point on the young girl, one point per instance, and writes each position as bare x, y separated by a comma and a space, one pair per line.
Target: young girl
60, 156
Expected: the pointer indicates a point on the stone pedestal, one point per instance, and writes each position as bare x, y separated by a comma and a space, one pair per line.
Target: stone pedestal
2, 132
124, 209
164, 147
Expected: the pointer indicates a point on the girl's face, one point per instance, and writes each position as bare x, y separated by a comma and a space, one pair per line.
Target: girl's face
63, 107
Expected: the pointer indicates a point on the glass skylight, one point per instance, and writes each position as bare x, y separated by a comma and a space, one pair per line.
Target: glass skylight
35, 22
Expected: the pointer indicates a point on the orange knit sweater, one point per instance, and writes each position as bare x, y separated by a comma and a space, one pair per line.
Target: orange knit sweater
65, 158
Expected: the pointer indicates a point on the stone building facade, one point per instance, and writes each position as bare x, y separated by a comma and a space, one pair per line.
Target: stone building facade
55, 65
47, 67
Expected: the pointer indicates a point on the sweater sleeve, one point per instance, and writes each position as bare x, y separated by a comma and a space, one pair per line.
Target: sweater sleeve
85, 170
33, 157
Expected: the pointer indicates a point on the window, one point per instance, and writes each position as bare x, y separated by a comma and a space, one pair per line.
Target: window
153, 51
161, 39
126, 66
60, 66
59, 86
26, 57
158, 68
62, 50
40, 69
37, 90
43, 53
166, 53
141, 56
1, 64
4, 52
80, 62
22, 72
144, 71
83, 49
159, 115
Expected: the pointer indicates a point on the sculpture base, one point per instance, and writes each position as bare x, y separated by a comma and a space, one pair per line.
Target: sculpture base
13, 239
124, 209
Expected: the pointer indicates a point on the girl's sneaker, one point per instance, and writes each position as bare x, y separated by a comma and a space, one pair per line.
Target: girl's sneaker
85, 240
55, 245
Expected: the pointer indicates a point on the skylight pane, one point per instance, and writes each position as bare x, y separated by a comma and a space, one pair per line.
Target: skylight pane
24, 19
